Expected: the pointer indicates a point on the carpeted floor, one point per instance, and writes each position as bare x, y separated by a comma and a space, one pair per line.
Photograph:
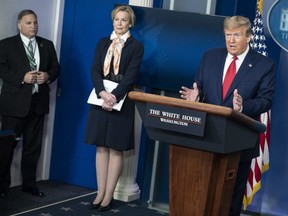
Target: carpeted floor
63, 199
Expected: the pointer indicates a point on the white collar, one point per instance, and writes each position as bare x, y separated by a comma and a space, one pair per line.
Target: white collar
26, 39
122, 38
240, 57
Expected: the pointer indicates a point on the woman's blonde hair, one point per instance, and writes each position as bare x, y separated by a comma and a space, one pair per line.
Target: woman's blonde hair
127, 9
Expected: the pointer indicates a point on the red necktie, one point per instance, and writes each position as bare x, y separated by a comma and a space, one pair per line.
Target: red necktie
230, 74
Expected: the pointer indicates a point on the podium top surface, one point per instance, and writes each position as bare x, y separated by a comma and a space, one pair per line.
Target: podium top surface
226, 112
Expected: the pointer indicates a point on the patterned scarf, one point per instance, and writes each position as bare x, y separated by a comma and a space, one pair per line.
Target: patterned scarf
115, 50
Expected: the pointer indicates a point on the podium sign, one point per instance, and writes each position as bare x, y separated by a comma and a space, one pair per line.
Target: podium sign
175, 119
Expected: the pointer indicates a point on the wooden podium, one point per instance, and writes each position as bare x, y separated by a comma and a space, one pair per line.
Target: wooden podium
202, 169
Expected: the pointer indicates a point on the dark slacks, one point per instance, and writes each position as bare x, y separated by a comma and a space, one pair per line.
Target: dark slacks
239, 188
6, 148
30, 129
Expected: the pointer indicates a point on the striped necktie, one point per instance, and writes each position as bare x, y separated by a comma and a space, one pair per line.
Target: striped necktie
30, 54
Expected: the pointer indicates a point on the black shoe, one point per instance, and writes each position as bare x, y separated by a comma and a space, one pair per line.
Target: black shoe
105, 208
33, 191
94, 206
3, 194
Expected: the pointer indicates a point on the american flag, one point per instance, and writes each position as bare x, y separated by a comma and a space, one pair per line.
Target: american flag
260, 164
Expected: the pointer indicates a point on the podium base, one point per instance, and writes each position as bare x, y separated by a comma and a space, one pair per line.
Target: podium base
201, 183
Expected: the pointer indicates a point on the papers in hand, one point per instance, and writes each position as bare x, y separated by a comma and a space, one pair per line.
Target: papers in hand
109, 86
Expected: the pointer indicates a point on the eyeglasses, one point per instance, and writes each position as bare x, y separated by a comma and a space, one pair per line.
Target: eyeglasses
236, 36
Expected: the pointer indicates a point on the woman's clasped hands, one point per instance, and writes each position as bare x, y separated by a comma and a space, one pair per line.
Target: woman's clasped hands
109, 100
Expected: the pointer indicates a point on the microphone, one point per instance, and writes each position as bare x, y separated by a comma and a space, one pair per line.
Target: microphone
203, 98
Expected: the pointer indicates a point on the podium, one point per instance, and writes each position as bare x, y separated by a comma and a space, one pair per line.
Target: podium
202, 164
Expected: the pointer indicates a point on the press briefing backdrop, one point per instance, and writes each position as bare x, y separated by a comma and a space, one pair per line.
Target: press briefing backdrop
174, 43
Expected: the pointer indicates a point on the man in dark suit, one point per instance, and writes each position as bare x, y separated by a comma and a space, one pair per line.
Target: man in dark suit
26, 70
250, 92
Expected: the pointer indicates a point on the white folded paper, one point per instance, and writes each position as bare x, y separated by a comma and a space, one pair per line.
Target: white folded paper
109, 86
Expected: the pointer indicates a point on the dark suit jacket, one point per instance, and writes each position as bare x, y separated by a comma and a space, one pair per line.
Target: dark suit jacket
16, 97
254, 81
131, 57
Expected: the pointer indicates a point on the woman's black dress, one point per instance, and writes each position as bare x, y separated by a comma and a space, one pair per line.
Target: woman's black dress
114, 129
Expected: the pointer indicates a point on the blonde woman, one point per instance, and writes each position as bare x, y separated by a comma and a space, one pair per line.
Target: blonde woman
117, 59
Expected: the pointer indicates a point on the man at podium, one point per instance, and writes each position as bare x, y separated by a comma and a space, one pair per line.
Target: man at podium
236, 77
